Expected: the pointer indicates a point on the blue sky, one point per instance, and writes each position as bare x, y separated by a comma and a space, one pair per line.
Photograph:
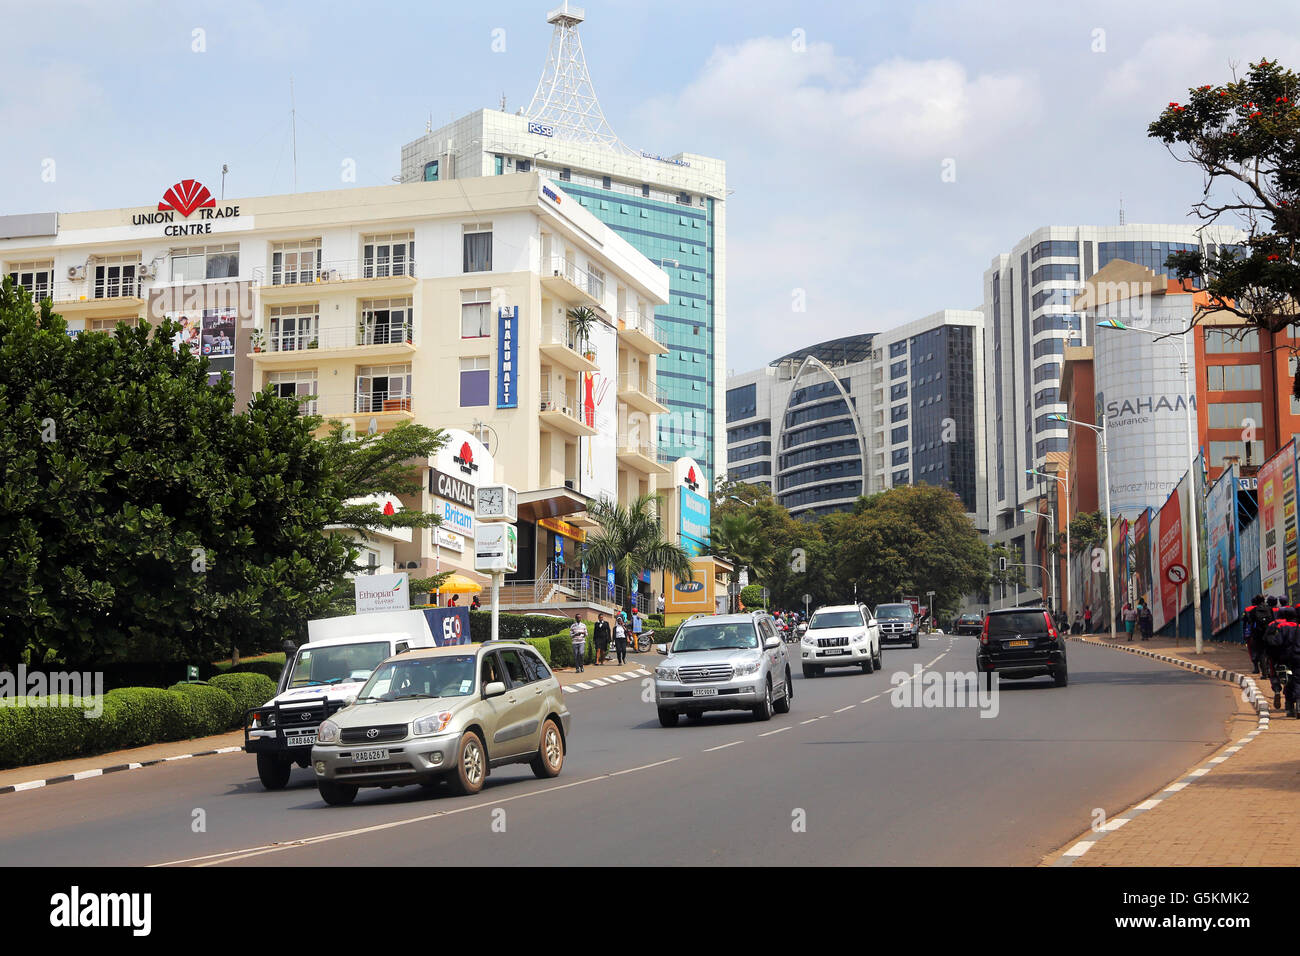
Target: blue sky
835, 151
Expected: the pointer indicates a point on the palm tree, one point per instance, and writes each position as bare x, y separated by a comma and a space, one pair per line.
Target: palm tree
631, 539
583, 320
736, 537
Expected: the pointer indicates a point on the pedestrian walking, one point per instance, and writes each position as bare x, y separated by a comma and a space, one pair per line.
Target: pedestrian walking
659, 603
1076, 626
1129, 616
620, 641
602, 637
1087, 620
578, 637
1144, 619
636, 629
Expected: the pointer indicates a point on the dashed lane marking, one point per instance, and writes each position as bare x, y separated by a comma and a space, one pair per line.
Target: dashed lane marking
709, 750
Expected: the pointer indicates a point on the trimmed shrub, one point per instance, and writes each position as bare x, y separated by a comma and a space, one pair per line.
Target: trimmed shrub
751, 595
562, 650
139, 716
267, 668
512, 627
247, 691
213, 708
542, 646
31, 735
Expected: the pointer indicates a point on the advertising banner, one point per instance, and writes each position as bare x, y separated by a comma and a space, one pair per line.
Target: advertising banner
1287, 455
382, 592
1221, 518
218, 332
1272, 566
449, 625
600, 411
1142, 555
1170, 553
694, 510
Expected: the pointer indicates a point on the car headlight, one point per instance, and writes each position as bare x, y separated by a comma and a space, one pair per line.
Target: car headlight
432, 724
860, 636
666, 673
327, 733
745, 667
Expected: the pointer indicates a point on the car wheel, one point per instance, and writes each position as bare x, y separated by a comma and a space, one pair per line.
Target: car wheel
471, 765
764, 710
274, 771
667, 717
782, 706
880, 657
336, 794
1061, 675
916, 640
807, 671
550, 756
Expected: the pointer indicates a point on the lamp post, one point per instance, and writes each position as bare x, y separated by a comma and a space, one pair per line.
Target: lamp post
1051, 524
1110, 544
1184, 368
1065, 481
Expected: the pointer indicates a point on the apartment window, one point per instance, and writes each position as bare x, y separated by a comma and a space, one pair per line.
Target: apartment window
899, 478
1232, 378
1055, 297
565, 175
1046, 373
1222, 341
116, 277
1049, 347
595, 282
898, 391
475, 313
299, 386
1236, 414
474, 381
898, 369
898, 435
293, 263
205, 262
1055, 272
1047, 396
523, 165
36, 277
1055, 247
897, 348
478, 247
1247, 453
384, 388
388, 255
742, 402
431, 170
110, 325
1059, 322
901, 456
293, 327
898, 413
385, 321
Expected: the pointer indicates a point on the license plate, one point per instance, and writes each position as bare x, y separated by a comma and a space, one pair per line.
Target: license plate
704, 692
1017, 643
306, 740
369, 756
837, 651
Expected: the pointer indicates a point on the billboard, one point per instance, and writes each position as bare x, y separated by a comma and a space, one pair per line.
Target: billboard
1273, 531
382, 592
1142, 556
694, 522
1221, 519
599, 396
1170, 551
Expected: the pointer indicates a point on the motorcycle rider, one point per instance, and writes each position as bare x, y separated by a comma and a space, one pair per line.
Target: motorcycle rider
1278, 637
1253, 621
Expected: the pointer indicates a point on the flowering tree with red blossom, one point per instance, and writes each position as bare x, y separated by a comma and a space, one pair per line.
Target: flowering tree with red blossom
1245, 136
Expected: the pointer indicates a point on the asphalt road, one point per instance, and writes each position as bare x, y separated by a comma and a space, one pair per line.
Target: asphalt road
846, 778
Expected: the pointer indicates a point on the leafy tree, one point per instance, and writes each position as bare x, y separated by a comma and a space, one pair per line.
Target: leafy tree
1087, 531
1245, 137
140, 518
737, 538
632, 540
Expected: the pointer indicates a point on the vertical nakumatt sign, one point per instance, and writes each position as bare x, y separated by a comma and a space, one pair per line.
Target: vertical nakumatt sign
508, 357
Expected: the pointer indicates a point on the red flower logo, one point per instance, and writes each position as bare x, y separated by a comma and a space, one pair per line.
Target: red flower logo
186, 196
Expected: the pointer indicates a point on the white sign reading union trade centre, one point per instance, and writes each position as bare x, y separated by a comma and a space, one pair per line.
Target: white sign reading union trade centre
184, 199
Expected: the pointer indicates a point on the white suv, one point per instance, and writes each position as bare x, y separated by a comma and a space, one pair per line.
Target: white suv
842, 635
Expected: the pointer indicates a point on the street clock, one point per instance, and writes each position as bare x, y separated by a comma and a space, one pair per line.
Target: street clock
496, 503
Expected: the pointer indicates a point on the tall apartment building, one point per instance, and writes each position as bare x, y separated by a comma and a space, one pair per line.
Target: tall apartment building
1028, 308
671, 209
856, 415
428, 302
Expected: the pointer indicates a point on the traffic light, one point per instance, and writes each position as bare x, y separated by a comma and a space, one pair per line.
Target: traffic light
1002, 564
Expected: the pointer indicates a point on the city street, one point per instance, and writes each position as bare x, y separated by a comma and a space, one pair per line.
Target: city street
870, 783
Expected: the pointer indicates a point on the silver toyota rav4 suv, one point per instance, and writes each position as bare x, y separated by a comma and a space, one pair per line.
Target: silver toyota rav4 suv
724, 662
445, 712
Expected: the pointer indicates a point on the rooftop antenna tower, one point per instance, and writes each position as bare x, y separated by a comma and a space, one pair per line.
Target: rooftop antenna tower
565, 99
1121, 210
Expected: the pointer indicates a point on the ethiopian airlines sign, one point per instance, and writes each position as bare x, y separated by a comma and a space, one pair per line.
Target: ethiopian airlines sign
184, 199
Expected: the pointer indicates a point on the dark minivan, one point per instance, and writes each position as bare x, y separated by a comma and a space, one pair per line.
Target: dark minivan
1020, 642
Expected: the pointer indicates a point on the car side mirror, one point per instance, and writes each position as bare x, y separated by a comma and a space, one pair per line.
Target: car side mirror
661, 649
349, 701
494, 689
772, 643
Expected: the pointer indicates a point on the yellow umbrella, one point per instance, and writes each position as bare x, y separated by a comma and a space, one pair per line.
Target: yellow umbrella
459, 584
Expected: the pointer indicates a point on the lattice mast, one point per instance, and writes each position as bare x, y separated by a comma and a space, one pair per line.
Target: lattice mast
565, 99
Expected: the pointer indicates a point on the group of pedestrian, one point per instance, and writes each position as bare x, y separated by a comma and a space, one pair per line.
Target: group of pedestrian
1272, 632
1135, 620
624, 629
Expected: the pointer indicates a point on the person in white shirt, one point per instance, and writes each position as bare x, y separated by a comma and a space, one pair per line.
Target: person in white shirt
578, 636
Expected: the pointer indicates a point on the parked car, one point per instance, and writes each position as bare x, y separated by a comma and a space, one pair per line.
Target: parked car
449, 712
724, 662
842, 635
898, 624
969, 624
1021, 642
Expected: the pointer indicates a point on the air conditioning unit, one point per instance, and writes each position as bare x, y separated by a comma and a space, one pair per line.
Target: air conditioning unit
146, 271
548, 406
568, 411
568, 483
76, 273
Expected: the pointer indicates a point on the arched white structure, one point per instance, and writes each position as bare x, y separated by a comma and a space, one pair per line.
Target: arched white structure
811, 361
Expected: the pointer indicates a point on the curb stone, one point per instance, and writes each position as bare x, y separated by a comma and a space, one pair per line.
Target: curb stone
1250, 694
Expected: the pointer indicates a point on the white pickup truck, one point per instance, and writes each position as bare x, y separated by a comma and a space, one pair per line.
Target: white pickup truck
327, 672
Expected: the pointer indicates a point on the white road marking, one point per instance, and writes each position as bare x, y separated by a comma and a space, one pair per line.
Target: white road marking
617, 677
583, 685
179, 757
868, 700
779, 730
710, 750
1175, 787
30, 785
1146, 804
84, 774
809, 720
233, 855
569, 690
230, 750
598, 682
1115, 824
1080, 848
1199, 773
843, 709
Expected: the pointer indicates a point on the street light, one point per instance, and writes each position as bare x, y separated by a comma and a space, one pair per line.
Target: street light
1065, 481
1183, 351
1051, 523
1110, 544
748, 504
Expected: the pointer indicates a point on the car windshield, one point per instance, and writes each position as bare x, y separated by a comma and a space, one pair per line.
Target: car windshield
1016, 622
421, 677
716, 637
894, 612
970, 618
821, 619
337, 663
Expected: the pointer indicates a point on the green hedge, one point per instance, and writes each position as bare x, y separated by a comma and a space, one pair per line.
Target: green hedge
213, 708
31, 735
542, 645
247, 690
266, 668
512, 627
139, 716
562, 650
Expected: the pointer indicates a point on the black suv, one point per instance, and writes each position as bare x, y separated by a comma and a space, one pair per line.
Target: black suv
968, 624
1021, 642
898, 624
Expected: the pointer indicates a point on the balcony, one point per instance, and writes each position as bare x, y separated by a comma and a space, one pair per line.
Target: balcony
567, 282
560, 346
386, 408
373, 342
559, 414
643, 395
642, 333
639, 455
88, 299
375, 276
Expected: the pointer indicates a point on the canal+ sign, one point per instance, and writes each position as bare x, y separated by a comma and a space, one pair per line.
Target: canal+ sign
184, 199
